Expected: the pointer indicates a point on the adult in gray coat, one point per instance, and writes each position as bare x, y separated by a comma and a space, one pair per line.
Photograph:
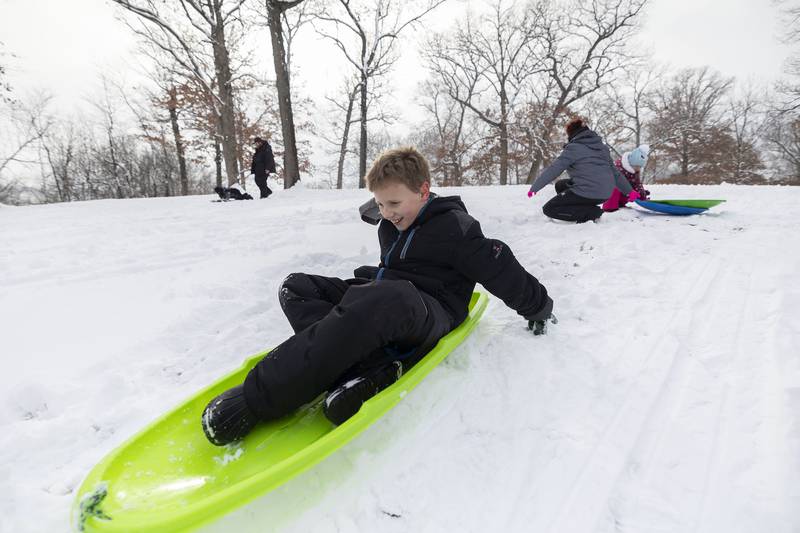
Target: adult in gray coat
592, 177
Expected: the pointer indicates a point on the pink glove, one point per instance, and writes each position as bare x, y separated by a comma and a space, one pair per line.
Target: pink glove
633, 195
530, 194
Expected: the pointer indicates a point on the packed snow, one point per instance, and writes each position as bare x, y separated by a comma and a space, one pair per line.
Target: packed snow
667, 398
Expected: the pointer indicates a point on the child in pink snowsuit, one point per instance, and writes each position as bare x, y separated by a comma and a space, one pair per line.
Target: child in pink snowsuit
630, 166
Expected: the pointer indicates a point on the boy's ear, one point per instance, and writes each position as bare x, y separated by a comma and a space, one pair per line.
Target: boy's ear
425, 190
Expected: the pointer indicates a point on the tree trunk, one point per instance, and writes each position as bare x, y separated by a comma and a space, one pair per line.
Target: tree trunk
345, 136
362, 143
685, 156
222, 67
291, 169
166, 170
176, 132
218, 162
55, 173
538, 159
503, 153
503, 126
457, 176
67, 179
114, 169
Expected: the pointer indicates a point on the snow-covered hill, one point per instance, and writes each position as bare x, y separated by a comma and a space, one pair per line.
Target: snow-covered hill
666, 399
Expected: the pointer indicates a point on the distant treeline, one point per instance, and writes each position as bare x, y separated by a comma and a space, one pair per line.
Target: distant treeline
498, 86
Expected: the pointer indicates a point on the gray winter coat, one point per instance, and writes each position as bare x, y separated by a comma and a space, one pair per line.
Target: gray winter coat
588, 162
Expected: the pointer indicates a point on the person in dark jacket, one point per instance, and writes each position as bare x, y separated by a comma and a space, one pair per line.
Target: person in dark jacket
592, 177
355, 337
262, 165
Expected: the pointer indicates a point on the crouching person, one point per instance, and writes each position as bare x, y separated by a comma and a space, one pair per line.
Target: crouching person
592, 177
355, 337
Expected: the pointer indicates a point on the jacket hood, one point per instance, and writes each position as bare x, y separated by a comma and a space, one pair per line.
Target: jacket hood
437, 205
626, 164
589, 139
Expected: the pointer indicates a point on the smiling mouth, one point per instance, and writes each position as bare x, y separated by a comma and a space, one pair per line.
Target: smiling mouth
396, 221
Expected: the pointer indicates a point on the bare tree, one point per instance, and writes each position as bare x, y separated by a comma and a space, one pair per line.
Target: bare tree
173, 108
5, 87
158, 107
292, 21
367, 34
622, 111
24, 124
789, 88
109, 109
632, 96
343, 117
790, 10
7, 190
447, 147
686, 113
783, 135
350, 88
493, 56
195, 33
745, 124
59, 148
583, 46
275, 11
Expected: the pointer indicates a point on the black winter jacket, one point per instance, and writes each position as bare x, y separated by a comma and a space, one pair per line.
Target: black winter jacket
263, 161
444, 253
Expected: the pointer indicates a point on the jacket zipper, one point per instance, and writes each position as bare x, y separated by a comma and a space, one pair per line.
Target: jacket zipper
407, 244
391, 249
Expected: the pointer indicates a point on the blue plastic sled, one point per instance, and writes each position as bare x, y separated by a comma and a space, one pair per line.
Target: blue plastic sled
670, 209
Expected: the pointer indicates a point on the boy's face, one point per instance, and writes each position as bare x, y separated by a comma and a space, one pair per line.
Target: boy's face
399, 204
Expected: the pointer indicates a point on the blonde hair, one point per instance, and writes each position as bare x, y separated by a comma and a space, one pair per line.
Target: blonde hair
399, 165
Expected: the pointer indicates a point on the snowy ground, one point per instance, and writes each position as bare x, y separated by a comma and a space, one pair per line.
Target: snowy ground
666, 399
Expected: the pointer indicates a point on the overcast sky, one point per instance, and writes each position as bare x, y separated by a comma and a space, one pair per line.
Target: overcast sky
62, 46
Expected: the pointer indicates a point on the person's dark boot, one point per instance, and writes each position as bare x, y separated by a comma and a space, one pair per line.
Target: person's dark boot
227, 418
222, 192
345, 401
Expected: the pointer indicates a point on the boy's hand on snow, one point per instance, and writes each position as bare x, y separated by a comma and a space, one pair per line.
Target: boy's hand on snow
539, 327
633, 195
537, 322
530, 194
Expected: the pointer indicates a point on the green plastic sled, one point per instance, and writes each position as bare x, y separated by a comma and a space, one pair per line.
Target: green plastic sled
699, 204
170, 478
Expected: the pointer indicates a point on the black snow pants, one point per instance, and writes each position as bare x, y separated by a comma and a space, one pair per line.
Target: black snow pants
261, 181
341, 327
566, 205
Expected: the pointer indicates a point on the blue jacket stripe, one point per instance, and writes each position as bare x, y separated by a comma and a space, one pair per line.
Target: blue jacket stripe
408, 242
389, 253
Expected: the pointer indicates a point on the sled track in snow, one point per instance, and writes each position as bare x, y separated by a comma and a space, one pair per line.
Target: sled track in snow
587, 500
689, 464
677, 395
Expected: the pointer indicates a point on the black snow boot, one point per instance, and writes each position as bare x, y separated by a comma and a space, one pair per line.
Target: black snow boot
222, 192
227, 418
345, 401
